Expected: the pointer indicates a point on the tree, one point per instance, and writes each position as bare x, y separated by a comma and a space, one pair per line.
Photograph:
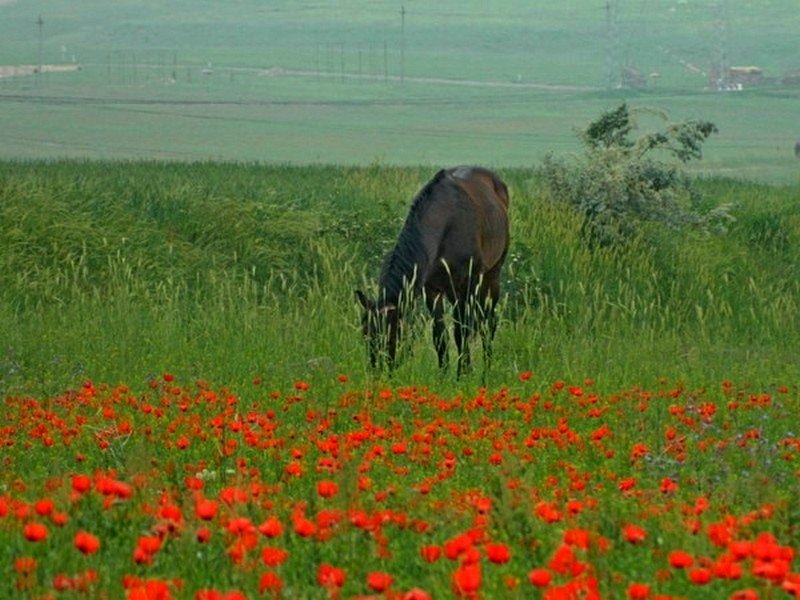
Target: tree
620, 183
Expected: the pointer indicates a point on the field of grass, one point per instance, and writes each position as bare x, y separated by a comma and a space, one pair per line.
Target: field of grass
198, 80
188, 412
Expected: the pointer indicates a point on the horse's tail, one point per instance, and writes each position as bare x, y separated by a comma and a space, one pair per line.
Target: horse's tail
501, 189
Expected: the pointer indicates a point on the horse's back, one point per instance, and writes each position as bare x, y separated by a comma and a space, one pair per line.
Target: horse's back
467, 223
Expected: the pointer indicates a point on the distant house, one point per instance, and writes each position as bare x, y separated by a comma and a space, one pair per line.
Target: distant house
746, 76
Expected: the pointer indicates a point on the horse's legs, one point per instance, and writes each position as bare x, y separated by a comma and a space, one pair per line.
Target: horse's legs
435, 304
488, 308
462, 327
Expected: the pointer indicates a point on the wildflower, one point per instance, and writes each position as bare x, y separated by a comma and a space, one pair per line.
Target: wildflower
634, 534
379, 581
303, 527
430, 554
203, 535
205, 509
638, 591
327, 489
86, 542
330, 577
270, 582
540, 577
700, 576
273, 557
467, 579
680, 559
25, 564
271, 528
497, 553
668, 486
417, 594
35, 532
44, 507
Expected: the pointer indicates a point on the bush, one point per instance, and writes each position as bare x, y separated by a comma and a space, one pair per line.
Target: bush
619, 183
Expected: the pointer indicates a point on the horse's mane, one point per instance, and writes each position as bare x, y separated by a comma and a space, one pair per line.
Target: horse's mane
409, 251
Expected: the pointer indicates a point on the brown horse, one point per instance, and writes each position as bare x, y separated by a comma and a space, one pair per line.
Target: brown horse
452, 246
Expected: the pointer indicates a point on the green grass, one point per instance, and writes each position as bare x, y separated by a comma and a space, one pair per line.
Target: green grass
117, 271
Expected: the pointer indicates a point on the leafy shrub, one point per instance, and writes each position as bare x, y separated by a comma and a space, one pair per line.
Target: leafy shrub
620, 183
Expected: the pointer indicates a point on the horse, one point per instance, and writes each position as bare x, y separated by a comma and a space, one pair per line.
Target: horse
452, 246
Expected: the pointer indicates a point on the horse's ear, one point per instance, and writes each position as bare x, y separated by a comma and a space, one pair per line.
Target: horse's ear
365, 302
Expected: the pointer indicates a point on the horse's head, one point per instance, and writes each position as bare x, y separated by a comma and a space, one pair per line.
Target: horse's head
380, 324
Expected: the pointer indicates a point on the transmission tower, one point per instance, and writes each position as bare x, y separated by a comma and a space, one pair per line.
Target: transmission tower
721, 66
612, 46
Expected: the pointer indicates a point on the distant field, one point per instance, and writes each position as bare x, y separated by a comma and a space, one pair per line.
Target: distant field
360, 83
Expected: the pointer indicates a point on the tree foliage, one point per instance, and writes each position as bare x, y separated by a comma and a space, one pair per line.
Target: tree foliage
620, 183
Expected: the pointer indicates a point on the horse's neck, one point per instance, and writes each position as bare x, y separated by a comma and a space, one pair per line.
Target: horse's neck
401, 274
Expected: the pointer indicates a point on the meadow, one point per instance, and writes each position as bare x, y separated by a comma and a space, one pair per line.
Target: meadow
188, 410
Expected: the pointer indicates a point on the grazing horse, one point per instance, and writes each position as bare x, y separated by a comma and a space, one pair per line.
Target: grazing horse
452, 246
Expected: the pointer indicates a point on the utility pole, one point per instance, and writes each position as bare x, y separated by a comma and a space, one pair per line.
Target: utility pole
40, 22
402, 44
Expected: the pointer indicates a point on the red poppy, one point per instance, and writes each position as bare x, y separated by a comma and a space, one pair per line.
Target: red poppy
680, 559
379, 581
430, 554
34, 532
638, 591
330, 577
271, 528
497, 553
206, 509
273, 557
700, 576
327, 489
86, 542
270, 582
44, 507
634, 534
467, 579
540, 577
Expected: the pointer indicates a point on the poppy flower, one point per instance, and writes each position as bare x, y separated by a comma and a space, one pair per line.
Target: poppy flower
700, 576
634, 534
540, 577
467, 579
86, 542
270, 582
327, 489
271, 528
416, 594
430, 554
680, 559
330, 577
206, 509
379, 581
44, 507
273, 557
638, 591
35, 532
497, 553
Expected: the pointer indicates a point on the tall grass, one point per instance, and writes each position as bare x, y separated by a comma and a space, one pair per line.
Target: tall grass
119, 271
